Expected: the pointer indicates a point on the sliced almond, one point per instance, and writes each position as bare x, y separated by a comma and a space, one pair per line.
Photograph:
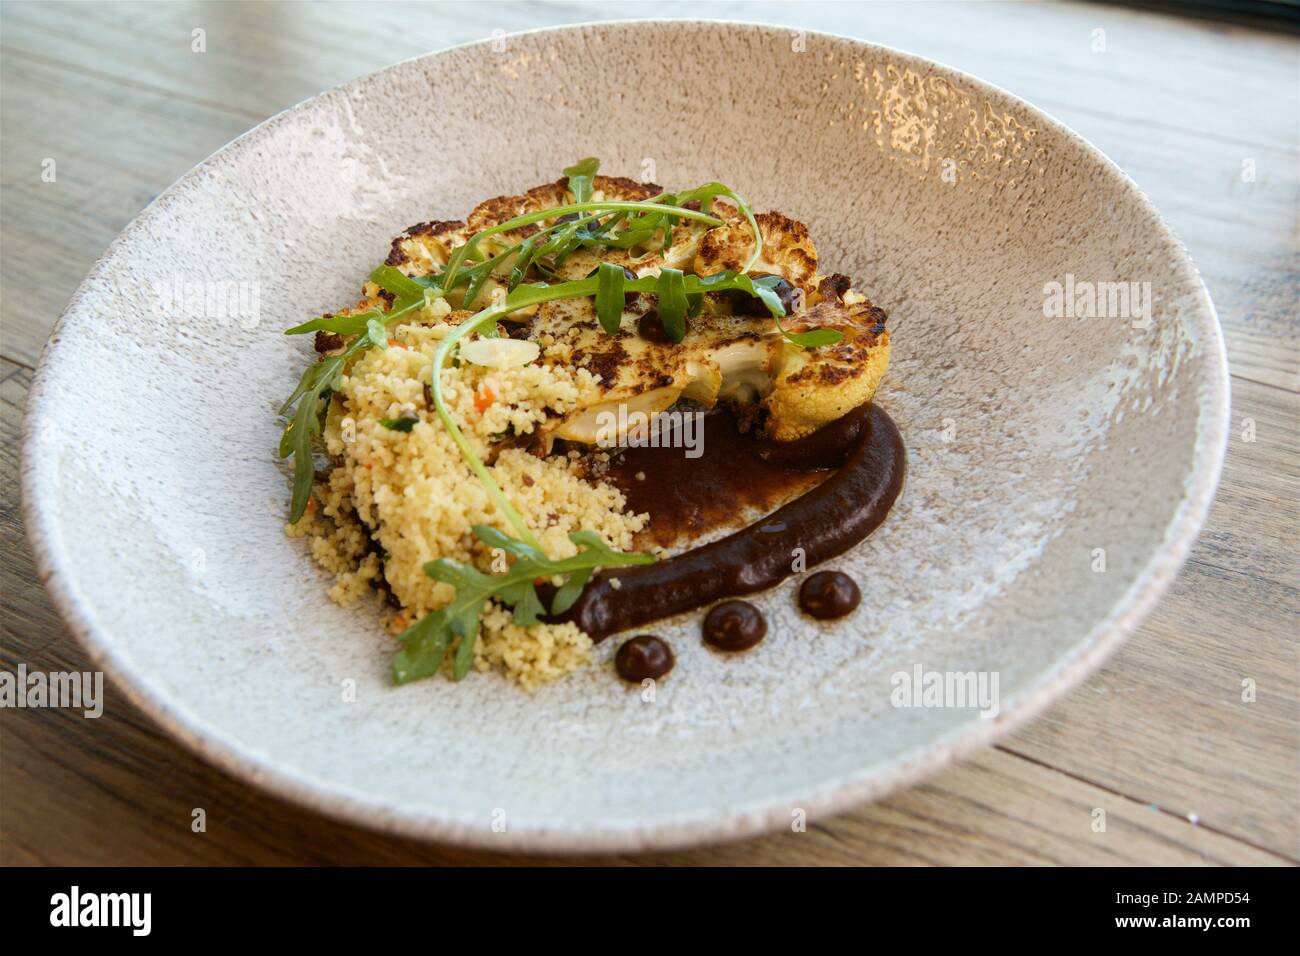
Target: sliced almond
500, 353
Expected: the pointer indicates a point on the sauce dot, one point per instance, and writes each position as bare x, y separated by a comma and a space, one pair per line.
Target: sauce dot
644, 656
829, 594
734, 626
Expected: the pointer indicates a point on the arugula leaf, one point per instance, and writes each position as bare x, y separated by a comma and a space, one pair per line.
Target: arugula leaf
566, 240
704, 195
570, 591
522, 261
403, 424
582, 176
512, 546
305, 384
369, 328
377, 333
812, 338
595, 231
397, 282
464, 658
671, 290
764, 288
476, 283
426, 642
451, 275
639, 232
609, 296
359, 324
305, 426
424, 645
341, 324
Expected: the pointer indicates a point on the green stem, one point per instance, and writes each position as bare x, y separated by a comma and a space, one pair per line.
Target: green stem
475, 322
461, 252
753, 224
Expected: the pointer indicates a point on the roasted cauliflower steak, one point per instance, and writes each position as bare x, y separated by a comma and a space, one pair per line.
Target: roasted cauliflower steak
724, 356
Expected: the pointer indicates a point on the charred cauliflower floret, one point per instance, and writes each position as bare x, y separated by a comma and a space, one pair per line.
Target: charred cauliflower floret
788, 250
622, 189
721, 358
639, 374
815, 386
426, 247
493, 212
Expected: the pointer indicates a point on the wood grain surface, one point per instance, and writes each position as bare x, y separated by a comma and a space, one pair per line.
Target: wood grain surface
1205, 117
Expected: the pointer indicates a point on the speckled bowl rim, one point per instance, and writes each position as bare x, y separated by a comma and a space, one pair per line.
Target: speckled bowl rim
41, 517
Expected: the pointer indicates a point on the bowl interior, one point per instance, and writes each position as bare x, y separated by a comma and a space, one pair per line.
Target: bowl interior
1039, 445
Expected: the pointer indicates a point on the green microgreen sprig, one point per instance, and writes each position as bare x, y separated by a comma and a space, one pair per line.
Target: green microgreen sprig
370, 328
462, 251
304, 427
426, 642
609, 296
582, 178
670, 290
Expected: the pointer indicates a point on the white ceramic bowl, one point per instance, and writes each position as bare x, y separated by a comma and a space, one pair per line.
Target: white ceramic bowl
155, 505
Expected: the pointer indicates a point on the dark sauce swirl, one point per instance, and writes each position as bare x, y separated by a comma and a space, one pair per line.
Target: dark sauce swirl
824, 522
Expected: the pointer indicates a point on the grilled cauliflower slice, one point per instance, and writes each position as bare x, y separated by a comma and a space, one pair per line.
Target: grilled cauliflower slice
685, 245
581, 263
493, 212
427, 246
723, 358
815, 386
788, 250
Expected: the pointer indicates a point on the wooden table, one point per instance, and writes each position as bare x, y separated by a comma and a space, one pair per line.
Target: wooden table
1202, 115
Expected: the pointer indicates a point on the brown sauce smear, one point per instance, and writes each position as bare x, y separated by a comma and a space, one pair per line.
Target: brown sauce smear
692, 495
687, 497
